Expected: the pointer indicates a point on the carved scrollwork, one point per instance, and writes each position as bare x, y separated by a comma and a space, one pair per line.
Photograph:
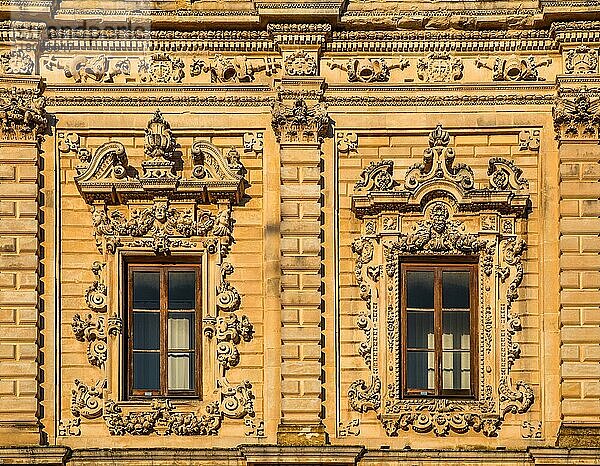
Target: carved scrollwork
95, 334
347, 142
365, 397
529, 139
581, 60
86, 401
95, 296
300, 63
253, 142
439, 211
97, 68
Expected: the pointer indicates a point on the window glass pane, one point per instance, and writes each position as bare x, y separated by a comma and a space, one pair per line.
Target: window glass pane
456, 370
146, 371
420, 370
455, 290
181, 371
456, 330
146, 330
182, 290
419, 330
146, 290
181, 330
419, 290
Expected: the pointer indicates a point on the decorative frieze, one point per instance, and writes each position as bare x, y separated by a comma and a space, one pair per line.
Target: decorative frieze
237, 69
300, 123
97, 68
16, 61
439, 211
368, 70
515, 68
581, 60
440, 67
161, 68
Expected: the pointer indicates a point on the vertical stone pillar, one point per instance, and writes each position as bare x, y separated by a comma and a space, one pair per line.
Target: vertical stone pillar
577, 124
22, 122
300, 127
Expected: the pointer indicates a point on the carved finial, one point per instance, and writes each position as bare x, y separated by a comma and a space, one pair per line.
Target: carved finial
439, 137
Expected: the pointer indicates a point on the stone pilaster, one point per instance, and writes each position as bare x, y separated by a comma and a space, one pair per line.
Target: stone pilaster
577, 123
300, 128
22, 122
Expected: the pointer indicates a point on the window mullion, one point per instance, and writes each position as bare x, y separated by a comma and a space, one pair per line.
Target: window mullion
163, 332
437, 304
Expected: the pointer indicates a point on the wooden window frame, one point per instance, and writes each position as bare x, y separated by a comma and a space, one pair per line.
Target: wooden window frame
438, 265
163, 269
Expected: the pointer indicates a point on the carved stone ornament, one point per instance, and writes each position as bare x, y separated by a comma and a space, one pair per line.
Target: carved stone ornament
576, 116
515, 68
254, 142
22, 114
368, 70
300, 63
97, 68
347, 142
160, 211
581, 60
237, 69
439, 67
300, 123
161, 68
529, 139
439, 211
17, 61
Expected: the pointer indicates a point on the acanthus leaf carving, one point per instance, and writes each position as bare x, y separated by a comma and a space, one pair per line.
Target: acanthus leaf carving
576, 116
365, 397
22, 114
96, 335
300, 123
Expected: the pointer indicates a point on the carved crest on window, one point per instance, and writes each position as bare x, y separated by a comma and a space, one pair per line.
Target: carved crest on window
439, 210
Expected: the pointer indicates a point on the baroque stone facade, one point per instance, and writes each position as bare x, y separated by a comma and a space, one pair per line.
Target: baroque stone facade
298, 166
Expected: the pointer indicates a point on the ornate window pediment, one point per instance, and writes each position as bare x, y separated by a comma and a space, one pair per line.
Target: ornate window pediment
440, 211
155, 210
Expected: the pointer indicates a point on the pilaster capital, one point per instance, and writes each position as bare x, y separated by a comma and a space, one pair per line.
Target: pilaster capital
22, 109
576, 115
299, 123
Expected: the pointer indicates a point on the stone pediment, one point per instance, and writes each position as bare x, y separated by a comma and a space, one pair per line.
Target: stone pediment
438, 176
107, 176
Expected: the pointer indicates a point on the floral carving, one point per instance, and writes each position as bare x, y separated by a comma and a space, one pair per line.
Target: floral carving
529, 139
515, 68
368, 70
376, 177
439, 67
163, 419
86, 400
237, 69
97, 68
161, 68
576, 117
347, 142
300, 63
22, 114
17, 61
581, 60
300, 123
